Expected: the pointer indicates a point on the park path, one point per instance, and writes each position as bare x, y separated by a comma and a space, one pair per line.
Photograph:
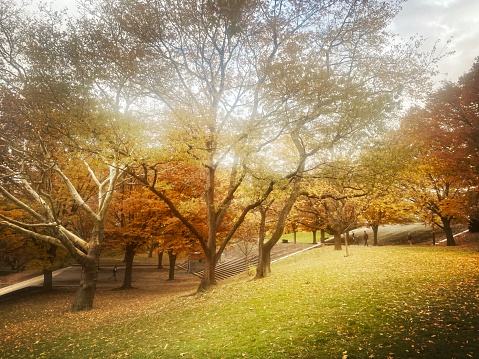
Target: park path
70, 276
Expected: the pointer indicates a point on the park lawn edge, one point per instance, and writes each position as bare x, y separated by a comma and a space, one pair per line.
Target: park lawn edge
388, 302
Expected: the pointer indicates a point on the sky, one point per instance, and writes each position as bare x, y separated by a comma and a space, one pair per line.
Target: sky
435, 20
443, 20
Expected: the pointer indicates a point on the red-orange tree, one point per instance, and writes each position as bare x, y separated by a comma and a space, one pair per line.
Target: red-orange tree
444, 137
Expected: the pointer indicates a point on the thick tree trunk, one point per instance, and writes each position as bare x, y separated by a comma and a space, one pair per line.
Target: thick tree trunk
446, 223
172, 260
47, 279
86, 291
209, 274
263, 269
337, 241
375, 229
323, 235
89, 277
129, 257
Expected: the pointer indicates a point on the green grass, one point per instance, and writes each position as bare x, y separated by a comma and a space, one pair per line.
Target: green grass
303, 237
380, 302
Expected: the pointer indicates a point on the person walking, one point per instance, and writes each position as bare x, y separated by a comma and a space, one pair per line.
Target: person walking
115, 269
366, 237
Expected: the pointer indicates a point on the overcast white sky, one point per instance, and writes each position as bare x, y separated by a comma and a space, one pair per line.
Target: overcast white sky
455, 20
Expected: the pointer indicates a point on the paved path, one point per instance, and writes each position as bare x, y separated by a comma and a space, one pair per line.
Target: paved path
67, 272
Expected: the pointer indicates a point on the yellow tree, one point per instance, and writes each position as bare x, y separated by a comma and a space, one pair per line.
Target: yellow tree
60, 151
238, 79
380, 169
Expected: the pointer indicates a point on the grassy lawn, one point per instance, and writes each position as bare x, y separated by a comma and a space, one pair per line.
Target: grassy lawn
380, 302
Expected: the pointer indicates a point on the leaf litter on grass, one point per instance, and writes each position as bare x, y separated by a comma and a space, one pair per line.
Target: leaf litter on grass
379, 302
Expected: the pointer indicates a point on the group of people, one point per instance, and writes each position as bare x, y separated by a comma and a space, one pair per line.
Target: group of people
365, 238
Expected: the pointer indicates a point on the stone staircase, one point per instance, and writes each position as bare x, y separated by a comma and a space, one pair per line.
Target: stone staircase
236, 262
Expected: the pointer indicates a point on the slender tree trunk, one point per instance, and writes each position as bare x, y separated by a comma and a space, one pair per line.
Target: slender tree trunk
262, 269
375, 228
48, 273
209, 274
315, 241
323, 235
151, 250
446, 222
346, 243
129, 256
172, 260
160, 260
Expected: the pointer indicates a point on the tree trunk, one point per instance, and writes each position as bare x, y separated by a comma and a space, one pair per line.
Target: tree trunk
160, 260
172, 260
86, 291
337, 241
48, 273
263, 268
209, 274
446, 222
90, 265
375, 228
151, 249
129, 256
315, 241
346, 243
323, 235
47, 279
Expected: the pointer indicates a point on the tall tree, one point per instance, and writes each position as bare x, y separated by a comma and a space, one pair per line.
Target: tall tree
443, 176
60, 151
237, 81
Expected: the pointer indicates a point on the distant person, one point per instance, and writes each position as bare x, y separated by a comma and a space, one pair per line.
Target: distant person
409, 239
365, 237
355, 240
115, 269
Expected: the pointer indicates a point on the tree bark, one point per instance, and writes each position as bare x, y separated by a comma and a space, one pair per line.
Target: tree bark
315, 241
264, 263
129, 256
48, 273
323, 235
160, 260
172, 260
209, 274
446, 223
375, 228
86, 291
262, 269
89, 277
337, 241
346, 243
47, 279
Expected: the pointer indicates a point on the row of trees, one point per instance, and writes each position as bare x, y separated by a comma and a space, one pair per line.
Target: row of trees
190, 124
